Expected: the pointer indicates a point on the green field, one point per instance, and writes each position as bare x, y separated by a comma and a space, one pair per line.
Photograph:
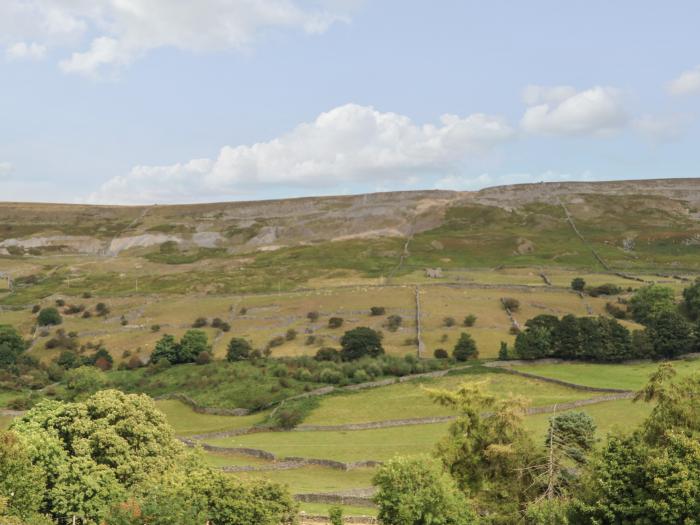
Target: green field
622, 376
315, 479
186, 422
410, 400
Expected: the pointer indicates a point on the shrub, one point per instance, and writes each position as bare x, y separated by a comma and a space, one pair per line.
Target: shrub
203, 358
243, 310
650, 301
449, 321
238, 349
360, 342
312, 316
87, 314
377, 310
465, 348
335, 322
101, 309
615, 311
310, 339
87, 295
503, 351
440, 353
275, 341
134, 363
578, 284
510, 303
360, 376
469, 320
393, 322
123, 320
604, 289
36, 308
49, 317
327, 354
200, 322
329, 375
155, 328
335, 513
291, 334
60, 303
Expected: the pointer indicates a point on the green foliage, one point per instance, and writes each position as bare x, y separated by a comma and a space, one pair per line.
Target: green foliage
393, 322
670, 335
417, 491
238, 349
335, 322
503, 353
465, 348
553, 511
192, 343
11, 345
572, 433
578, 284
469, 320
21, 482
327, 354
691, 300
650, 301
166, 348
335, 515
634, 482
441, 353
48, 317
360, 342
292, 413
83, 381
377, 310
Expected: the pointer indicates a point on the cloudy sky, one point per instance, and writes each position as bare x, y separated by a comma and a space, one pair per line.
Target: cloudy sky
143, 101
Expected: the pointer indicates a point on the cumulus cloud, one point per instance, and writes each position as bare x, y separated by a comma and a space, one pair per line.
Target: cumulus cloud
562, 110
688, 83
25, 51
124, 30
349, 144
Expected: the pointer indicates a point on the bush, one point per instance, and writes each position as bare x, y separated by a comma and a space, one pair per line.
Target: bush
503, 354
465, 348
49, 317
216, 322
203, 358
101, 309
155, 328
310, 339
238, 349
469, 320
393, 322
377, 310
36, 308
449, 321
615, 311
87, 295
329, 375
327, 354
335, 513
200, 322
225, 327
604, 289
440, 353
511, 304
335, 322
60, 303
123, 321
275, 341
291, 334
360, 342
87, 314
312, 316
134, 363
578, 284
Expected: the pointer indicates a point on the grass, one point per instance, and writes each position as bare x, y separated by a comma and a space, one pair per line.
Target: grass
321, 509
409, 400
377, 444
622, 376
186, 421
315, 479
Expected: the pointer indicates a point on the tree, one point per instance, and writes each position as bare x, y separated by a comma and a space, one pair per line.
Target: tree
510, 303
327, 354
335, 322
533, 343
191, 345
449, 321
650, 301
567, 338
49, 317
465, 348
503, 354
83, 381
238, 349
578, 284
670, 334
691, 300
441, 353
21, 482
573, 433
487, 450
360, 342
393, 322
634, 482
417, 491
92, 452
11, 345
377, 310
166, 348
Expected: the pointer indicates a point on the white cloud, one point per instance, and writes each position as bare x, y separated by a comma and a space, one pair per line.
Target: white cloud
664, 128
688, 83
562, 110
349, 144
127, 29
471, 182
24, 51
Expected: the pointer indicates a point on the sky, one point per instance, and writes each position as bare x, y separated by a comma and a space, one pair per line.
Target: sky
176, 101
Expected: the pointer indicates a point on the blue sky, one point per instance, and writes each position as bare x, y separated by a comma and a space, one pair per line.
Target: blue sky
131, 101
